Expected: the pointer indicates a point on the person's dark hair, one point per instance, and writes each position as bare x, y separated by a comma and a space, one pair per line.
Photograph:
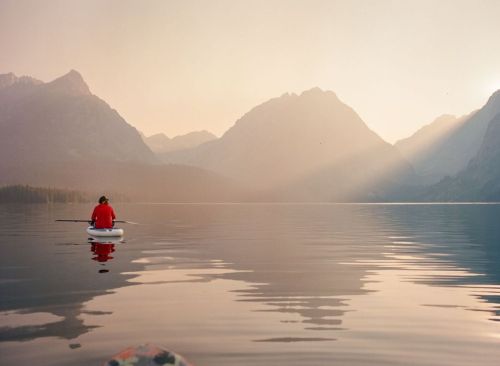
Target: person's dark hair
103, 199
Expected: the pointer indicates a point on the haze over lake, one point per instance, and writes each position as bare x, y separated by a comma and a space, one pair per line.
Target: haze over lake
316, 182
240, 284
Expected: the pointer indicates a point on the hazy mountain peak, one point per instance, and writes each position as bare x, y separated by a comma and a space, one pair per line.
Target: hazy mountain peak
158, 138
296, 142
320, 95
446, 148
313, 93
489, 110
203, 134
9, 79
71, 83
63, 121
494, 98
315, 90
287, 95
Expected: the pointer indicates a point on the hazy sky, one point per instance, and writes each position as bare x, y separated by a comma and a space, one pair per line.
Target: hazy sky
178, 66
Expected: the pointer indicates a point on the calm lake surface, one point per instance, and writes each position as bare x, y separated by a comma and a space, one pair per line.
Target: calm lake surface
254, 284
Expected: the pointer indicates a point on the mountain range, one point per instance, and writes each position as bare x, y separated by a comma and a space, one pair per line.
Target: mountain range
58, 134
161, 143
307, 147
297, 147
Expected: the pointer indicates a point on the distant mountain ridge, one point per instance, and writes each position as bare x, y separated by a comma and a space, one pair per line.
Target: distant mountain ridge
60, 135
8, 80
288, 139
452, 151
480, 180
161, 143
306, 147
13, 88
70, 84
420, 148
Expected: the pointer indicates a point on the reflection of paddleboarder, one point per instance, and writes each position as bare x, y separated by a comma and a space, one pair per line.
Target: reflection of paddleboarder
102, 251
103, 216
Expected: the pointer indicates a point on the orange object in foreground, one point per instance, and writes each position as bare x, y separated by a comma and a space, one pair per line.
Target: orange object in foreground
147, 355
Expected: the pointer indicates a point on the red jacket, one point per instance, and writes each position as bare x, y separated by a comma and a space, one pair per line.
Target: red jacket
103, 216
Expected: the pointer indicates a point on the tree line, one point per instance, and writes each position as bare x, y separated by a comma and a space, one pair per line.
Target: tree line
28, 194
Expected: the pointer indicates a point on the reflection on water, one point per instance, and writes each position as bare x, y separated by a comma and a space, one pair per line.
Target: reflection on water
239, 284
102, 251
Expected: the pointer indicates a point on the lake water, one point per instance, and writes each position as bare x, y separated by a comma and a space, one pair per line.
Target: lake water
254, 284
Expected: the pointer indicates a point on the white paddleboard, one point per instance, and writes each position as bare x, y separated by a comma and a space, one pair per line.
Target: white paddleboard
104, 232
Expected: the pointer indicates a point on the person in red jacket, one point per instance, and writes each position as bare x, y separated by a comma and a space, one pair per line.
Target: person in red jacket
103, 216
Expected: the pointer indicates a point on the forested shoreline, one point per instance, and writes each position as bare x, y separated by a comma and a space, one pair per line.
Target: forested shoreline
29, 194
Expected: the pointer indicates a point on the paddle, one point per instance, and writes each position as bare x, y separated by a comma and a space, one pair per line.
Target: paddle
119, 221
